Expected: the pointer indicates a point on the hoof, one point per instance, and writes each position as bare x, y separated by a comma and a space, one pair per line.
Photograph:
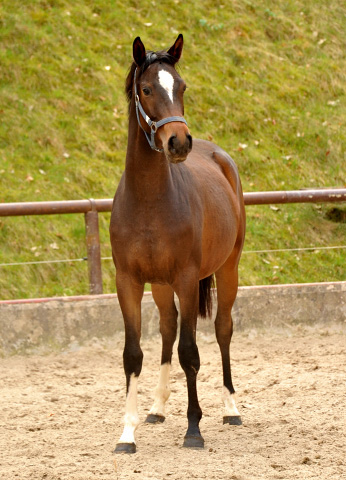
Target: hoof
193, 441
152, 418
232, 420
125, 448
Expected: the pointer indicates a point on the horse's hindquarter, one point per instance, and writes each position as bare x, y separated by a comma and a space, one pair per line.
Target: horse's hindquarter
220, 191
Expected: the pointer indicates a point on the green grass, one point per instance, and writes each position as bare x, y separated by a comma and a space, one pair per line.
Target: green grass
269, 75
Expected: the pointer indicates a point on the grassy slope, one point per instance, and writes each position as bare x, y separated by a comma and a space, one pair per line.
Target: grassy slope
270, 75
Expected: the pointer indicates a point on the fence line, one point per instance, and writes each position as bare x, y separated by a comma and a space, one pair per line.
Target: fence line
92, 207
84, 259
298, 249
40, 262
323, 195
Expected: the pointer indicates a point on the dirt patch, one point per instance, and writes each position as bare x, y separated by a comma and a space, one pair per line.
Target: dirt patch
61, 415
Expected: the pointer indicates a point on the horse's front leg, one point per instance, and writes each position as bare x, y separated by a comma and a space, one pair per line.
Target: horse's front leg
164, 299
130, 296
188, 291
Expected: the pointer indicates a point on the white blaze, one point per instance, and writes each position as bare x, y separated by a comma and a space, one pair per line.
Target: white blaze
167, 81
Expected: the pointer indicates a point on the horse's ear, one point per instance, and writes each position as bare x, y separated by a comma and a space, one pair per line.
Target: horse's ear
138, 51
177, 48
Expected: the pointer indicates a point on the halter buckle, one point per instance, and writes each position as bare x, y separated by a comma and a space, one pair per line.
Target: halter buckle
153, 127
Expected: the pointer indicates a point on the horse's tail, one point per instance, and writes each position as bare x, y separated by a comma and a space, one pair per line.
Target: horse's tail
205, 296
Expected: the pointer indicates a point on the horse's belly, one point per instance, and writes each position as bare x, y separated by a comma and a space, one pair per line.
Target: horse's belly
214, 257
219, 238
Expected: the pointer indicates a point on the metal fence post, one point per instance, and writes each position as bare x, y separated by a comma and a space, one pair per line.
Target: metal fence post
93, 249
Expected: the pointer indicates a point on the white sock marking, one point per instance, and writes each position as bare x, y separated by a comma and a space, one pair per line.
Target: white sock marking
162, 391
167, 82
229, 401
131, 419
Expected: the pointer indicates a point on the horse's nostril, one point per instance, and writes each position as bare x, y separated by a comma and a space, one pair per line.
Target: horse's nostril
189, 139
171, 143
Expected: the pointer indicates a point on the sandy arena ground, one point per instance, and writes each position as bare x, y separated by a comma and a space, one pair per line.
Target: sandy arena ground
61, 414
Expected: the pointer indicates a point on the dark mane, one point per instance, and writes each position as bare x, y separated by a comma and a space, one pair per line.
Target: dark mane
151, 57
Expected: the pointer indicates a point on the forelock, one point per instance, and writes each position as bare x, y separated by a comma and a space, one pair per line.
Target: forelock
151, 57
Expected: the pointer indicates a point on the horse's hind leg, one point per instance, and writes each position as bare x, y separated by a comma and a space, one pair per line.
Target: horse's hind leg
227, 286
188, 292
164, 299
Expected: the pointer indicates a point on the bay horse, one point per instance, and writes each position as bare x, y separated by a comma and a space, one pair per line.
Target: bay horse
178, 218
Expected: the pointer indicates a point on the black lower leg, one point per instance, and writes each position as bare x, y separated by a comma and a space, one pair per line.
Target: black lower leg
193, 437
133, 359
189, 360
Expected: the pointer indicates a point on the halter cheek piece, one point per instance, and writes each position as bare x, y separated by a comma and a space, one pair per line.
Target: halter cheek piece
154, 126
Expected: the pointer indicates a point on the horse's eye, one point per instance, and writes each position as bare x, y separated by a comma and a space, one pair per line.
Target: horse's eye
146, 91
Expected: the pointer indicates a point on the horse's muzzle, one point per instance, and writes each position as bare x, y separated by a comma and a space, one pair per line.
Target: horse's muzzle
178, 148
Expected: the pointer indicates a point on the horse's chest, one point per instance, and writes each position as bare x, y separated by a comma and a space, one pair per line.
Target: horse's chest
145, 244
148, 250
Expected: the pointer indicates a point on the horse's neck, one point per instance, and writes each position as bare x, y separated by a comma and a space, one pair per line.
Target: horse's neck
147, 172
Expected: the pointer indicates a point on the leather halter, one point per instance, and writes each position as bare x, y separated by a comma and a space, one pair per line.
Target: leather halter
154, 126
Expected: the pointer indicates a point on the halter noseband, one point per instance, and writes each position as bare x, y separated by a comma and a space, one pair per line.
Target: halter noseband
154, 126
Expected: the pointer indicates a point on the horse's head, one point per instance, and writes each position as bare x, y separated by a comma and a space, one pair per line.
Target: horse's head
159, 91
